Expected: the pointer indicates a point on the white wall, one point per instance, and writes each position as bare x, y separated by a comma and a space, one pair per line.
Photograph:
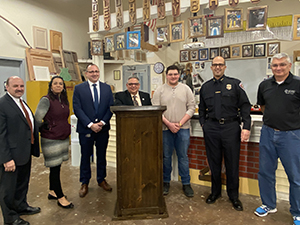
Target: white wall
27, 13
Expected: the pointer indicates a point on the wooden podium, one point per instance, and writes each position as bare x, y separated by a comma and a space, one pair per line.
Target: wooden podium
139, 162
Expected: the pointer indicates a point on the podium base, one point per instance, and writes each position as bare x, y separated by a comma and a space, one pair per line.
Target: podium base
140, 213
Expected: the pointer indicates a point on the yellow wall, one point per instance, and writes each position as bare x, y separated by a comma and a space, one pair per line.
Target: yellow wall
247, 185
37, 89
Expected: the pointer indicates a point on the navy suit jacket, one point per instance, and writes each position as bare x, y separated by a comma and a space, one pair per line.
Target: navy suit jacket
124, 98
15, 134
84, 107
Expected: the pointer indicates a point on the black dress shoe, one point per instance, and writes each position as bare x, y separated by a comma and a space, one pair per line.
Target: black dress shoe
70, 206
212, 198
18, 222
30, 210
237, 204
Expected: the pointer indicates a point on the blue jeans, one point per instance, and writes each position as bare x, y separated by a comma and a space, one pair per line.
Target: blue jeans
180, 141
286, 146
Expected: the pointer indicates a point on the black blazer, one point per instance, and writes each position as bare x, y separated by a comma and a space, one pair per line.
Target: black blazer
15, 134
124, 98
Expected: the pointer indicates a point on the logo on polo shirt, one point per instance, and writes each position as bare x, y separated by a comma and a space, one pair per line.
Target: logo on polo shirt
289, 92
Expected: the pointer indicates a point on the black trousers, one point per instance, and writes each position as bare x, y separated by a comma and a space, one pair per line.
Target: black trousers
223, 140
54, 181
13, 191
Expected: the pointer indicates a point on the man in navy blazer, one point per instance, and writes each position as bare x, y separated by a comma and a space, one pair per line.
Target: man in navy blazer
132, 96
18, 141
91, 103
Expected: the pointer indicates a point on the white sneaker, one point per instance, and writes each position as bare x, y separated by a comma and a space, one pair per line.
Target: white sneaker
264, 210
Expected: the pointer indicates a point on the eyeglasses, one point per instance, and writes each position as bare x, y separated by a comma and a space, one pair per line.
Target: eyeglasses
96, 71
279, 65
220, 65
131, 84
173, 74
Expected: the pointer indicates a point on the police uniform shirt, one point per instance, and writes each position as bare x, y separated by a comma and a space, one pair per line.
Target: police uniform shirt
223, 98
282, 103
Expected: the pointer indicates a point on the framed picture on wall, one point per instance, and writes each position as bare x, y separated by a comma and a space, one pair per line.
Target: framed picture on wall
235, 51
97, 47
109, 43
247, 50
120, 41
273, 48
233, 19
225, 52
257, 18
176, 31
194, 55
133, 39
162, 34
196, 26
203, 54
296, 27
214, 27
117, 75
184, 56
213, 52
260, 50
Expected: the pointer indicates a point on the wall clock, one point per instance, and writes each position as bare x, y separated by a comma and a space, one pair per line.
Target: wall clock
97, 47
158, 67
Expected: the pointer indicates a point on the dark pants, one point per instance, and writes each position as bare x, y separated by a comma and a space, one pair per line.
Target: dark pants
13, 191
223, 140
54, 181
87, 142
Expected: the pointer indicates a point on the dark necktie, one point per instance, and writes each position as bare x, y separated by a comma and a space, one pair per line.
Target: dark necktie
218, 102
95, 97
28, 120
135, 102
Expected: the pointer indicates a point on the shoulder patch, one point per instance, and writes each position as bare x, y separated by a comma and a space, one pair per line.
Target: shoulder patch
241, 86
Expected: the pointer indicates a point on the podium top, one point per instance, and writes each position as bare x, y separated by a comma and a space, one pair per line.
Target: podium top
126, 108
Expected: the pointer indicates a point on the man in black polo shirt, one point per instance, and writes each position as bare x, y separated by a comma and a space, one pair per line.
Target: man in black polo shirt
222, 99
279, 98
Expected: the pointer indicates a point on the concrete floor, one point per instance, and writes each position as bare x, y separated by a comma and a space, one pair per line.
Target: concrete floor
98, 206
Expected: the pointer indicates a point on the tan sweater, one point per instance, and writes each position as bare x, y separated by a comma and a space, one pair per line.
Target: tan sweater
179, 101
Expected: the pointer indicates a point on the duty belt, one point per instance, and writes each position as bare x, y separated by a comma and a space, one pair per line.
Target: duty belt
223, 120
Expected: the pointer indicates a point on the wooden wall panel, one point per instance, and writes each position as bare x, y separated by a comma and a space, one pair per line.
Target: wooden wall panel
55, 41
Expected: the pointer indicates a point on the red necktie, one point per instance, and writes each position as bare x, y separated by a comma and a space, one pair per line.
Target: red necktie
28, 121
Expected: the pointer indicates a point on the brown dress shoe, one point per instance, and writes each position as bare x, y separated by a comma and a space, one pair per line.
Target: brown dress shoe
105, 186
83, 190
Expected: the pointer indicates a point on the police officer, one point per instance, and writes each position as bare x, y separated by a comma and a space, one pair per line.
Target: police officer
223, 102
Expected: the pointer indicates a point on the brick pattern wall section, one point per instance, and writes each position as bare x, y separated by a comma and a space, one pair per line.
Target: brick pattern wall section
249, 157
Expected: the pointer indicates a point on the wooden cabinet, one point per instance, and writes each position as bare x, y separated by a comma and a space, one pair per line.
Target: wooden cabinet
139, 162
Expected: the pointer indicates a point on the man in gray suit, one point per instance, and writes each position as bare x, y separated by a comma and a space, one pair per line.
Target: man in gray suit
18, 140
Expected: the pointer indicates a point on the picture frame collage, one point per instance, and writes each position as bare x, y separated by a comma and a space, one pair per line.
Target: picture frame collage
122, 41
231, 52
214, 27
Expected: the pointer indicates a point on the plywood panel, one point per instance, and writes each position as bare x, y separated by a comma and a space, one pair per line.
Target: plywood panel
39, 57
40, 37
68, 62
55, 41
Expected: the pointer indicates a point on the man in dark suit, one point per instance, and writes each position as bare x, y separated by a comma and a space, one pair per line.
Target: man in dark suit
18, 140
91, 102
132, 96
